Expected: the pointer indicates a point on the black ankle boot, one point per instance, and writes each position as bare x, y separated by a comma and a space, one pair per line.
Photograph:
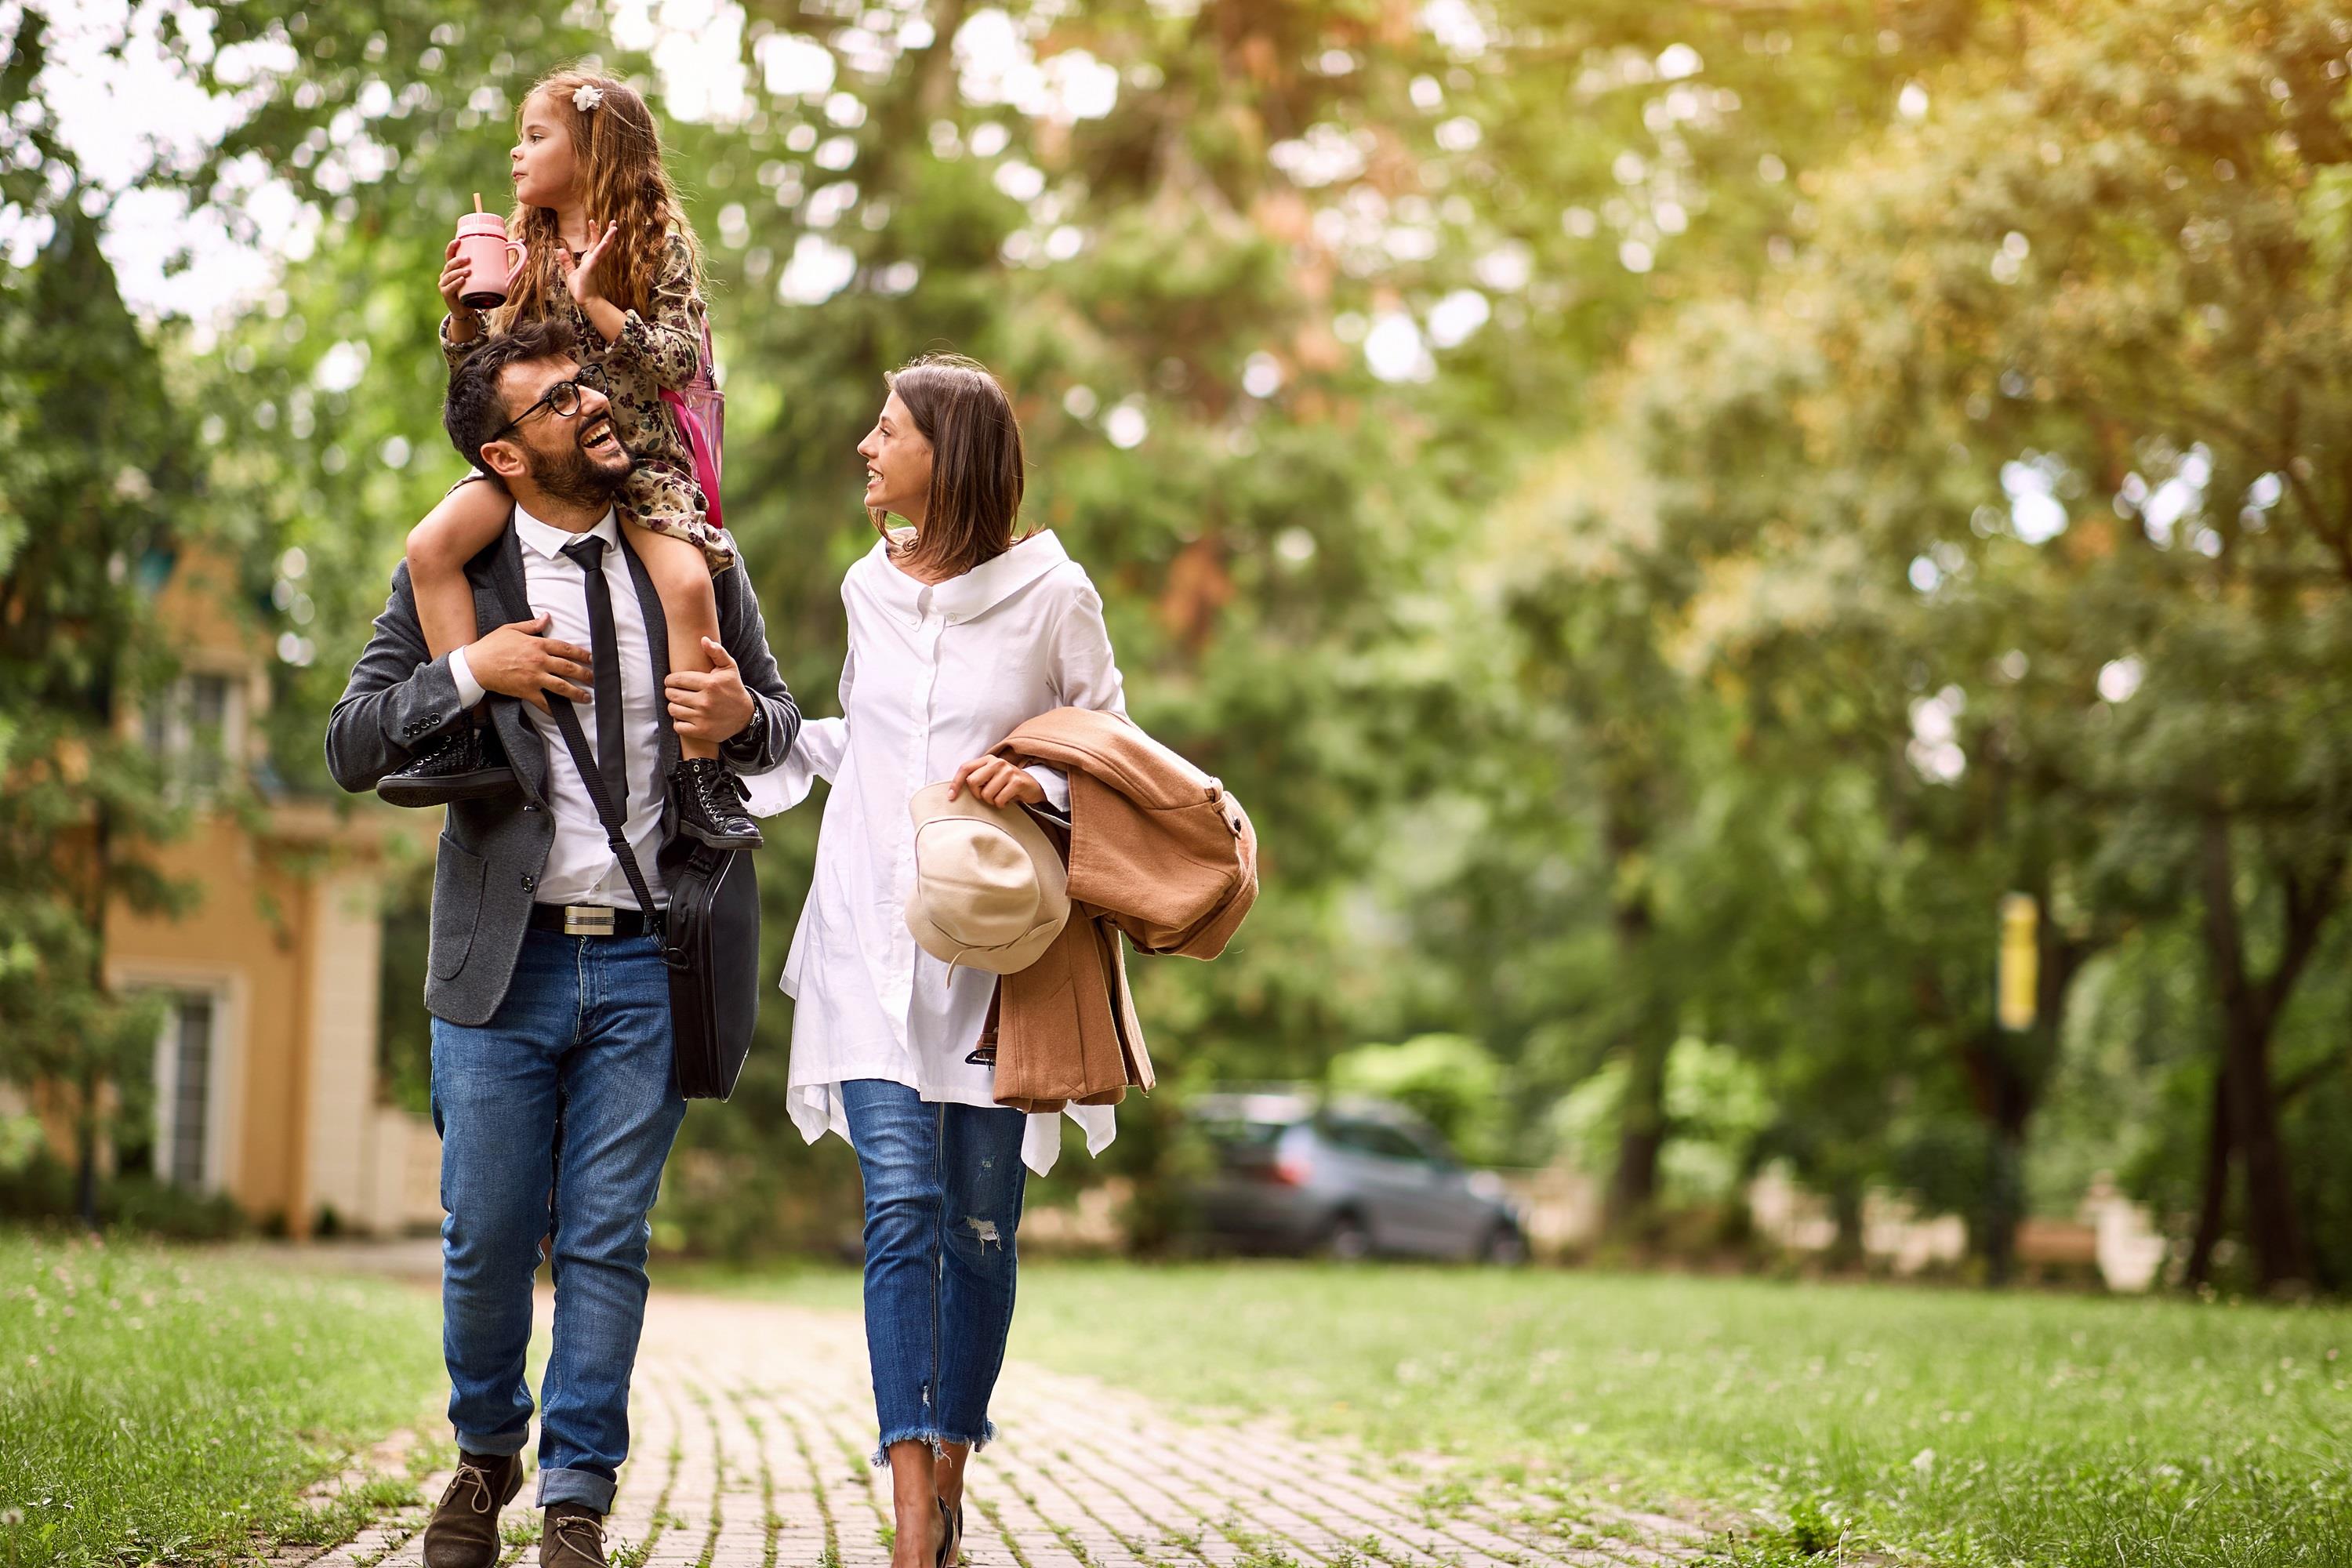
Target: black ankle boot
710, 804
463, 763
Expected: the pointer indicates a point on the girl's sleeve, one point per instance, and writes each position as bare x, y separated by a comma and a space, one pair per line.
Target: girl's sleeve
452, 350
668, 346
816, 754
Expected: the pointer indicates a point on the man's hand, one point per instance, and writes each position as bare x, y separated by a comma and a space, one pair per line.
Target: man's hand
516, 661
712, 706
997, 781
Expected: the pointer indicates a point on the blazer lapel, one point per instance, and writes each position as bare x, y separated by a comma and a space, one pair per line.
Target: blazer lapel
500, 595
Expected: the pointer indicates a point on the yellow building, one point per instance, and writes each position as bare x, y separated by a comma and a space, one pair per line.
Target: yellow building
265, 1075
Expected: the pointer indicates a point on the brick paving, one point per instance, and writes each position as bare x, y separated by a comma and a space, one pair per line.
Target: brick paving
753, 1423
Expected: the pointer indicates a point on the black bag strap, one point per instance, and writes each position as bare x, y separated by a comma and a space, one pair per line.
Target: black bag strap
575, 741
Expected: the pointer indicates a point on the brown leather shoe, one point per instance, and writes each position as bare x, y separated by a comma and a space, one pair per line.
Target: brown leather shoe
463, 1529
571, 1536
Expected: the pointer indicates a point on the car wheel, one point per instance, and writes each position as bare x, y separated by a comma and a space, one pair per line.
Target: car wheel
1346, 1240
1505, 1247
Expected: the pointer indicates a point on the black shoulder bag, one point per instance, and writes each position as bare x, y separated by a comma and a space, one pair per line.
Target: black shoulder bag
710, 935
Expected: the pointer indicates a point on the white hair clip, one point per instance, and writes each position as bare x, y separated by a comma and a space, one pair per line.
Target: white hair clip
587, 96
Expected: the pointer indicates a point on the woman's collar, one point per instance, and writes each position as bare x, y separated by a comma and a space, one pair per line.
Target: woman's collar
984, 587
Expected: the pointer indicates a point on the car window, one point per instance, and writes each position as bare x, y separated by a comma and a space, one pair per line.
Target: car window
1432, 1147
1233, 1132
1356, 1137
1378, 1138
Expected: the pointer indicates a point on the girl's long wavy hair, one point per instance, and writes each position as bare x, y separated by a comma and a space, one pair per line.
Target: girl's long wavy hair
976, 463
622, 179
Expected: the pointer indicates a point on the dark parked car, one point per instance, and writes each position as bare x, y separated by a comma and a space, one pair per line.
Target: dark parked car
1346, 1178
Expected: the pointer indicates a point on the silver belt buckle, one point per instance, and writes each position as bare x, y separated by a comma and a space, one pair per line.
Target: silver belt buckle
587, 920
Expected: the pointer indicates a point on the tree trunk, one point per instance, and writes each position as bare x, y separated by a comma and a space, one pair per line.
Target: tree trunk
86, 1153
1642, 1134
2250, 1008
2213, 1202
2275, 1227
1648, 1033
2006, 1073
86, 1123
2004, 1199
1846, 1249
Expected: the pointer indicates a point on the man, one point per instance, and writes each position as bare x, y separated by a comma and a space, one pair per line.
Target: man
551, 1083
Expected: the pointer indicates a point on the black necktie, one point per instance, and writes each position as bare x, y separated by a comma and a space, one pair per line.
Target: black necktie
611, 748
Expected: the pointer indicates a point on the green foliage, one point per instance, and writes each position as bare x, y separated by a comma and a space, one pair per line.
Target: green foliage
1882, 460
165, 1405
1451, 1081
43, 1189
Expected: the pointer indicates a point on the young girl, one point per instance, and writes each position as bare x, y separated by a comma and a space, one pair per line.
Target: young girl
628, 280
958, 633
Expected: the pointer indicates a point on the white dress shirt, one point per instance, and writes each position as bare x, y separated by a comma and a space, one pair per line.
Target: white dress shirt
580, 866
936, 675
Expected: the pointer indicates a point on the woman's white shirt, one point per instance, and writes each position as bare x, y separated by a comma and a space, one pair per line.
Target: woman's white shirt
936, 675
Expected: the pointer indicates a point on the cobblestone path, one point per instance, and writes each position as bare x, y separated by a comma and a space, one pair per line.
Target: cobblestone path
753, 1424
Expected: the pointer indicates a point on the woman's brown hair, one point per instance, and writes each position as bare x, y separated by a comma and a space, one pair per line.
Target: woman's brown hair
622, 180
976, 479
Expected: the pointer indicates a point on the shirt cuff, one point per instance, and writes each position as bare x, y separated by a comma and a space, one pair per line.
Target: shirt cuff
469, 690
1056, 786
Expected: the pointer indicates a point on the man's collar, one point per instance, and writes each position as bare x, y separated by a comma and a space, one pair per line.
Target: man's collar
550, 540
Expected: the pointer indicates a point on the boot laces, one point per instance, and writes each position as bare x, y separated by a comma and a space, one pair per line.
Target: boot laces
593, 1549
482, 1501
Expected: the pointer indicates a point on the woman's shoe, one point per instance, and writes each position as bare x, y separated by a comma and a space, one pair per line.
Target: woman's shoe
948, 1542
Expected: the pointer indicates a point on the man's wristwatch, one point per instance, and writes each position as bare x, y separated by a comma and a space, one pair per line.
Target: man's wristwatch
749, 736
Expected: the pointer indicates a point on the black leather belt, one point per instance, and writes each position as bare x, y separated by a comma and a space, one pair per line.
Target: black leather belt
587, 920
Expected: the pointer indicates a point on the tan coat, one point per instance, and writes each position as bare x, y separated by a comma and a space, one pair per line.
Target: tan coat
1158, 853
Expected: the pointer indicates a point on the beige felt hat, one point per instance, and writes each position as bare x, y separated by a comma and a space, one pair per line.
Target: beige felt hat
990, 891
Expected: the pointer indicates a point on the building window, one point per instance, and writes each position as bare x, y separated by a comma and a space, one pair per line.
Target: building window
183, 1090
194, 727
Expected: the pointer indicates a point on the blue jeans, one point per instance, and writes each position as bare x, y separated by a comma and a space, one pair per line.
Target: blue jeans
555, 1118
943, 1186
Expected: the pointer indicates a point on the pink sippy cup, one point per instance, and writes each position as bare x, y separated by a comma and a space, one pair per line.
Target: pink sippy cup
494, 260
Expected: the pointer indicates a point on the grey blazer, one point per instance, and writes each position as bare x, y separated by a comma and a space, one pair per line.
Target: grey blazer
492, 852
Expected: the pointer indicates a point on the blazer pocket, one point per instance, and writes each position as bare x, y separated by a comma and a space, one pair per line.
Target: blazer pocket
457, 875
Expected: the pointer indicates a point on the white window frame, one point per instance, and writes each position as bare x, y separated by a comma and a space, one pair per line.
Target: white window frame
178, 700
225, 1091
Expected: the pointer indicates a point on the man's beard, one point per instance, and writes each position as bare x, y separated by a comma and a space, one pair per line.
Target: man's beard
571, 477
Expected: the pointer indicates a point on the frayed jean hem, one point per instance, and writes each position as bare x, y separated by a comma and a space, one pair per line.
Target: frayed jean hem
933, 1439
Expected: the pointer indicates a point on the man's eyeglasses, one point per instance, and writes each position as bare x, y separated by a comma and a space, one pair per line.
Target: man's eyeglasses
562, 399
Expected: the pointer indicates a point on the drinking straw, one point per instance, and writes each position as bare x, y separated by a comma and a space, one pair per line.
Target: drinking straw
478, 201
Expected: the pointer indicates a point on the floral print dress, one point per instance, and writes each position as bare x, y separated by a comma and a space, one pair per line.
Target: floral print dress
660, 494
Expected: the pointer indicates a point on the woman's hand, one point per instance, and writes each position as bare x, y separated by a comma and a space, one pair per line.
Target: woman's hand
580, 276
463, 320
997, 781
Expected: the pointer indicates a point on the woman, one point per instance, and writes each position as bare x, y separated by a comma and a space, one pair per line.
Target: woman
957, 633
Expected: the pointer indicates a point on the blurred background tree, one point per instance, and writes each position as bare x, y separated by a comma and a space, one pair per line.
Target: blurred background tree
1666, 515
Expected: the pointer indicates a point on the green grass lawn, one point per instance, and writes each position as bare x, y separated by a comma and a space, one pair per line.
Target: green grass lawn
172, 1405
1965, 1427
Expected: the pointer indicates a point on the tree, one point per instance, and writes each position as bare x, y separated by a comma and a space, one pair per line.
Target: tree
2017, 417
99, 490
